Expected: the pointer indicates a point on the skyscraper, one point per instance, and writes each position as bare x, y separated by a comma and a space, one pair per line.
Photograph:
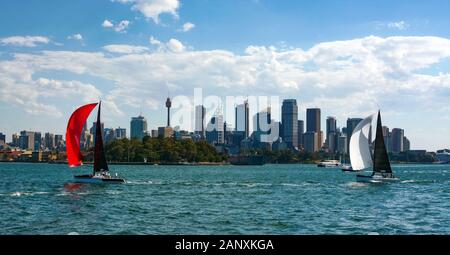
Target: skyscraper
37, 141
26, 140
200, 113
242, 119
313, 124
214, 130
397, 140
2, 138
59, 142
138, 128
301, 131
331, 134
289, 118
311, 141
120, 133
406, 144
50, 141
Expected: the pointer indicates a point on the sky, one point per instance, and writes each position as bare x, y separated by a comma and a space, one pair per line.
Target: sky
349, 58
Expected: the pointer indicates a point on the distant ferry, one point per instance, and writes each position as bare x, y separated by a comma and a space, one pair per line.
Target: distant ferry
443, 156
248, 160
329, 163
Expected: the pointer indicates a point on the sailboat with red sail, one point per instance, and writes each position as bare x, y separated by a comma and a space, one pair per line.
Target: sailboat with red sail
101, 172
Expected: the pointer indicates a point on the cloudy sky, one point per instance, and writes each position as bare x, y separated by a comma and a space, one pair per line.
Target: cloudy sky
347, 57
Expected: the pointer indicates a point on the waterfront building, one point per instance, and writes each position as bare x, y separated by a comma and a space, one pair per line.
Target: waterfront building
109, 135
330, 135
59, 141
310, 140
138, 128
289, 118
200, 113
313, 124
154, 133
15, 140
214, 130
301, 131
120, 133
26, 140
2, 139
342, 143
165, 132
242, 119
397, 140
37, 141
49, 141
406, 144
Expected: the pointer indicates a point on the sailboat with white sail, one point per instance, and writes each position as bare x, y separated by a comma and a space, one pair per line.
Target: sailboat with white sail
74, 129
361, 157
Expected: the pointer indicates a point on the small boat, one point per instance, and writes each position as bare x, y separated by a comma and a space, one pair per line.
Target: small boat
74, 129
381, 167
329, 163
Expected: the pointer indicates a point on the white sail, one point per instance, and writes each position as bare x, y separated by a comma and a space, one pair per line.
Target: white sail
360, 156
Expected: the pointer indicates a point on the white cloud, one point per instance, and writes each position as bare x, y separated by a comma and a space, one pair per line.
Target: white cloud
77, 37
120, 27
107, 24
175, 46
25, 41
186, 27
152, 9
125, 49
400, 25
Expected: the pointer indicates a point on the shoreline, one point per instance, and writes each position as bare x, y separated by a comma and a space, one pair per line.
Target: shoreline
200, 163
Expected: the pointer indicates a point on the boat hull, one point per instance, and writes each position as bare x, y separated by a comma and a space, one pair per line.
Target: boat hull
96, 180
376, 179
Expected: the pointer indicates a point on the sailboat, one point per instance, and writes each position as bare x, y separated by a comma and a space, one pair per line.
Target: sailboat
74, 129
361, 158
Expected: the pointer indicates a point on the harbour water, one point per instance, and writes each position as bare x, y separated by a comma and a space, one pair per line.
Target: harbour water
270, 199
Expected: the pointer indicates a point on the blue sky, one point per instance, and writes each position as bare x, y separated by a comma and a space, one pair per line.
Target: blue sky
308, 50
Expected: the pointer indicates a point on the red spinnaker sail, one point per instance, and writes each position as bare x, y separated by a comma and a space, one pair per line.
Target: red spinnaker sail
73, 134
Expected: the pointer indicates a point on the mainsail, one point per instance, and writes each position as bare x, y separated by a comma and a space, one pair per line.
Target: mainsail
100, 164
360, 156
73, 134
381, 159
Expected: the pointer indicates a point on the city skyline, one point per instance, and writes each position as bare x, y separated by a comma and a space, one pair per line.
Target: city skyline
132, 55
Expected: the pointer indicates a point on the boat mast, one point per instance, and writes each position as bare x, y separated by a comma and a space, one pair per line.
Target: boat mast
100, 164
381, 159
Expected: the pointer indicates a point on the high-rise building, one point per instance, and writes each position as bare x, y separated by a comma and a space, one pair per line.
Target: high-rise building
342, 143
301, 131
397, 140
138, 128
289, 118
310, 141
200, 113
93, 130
2, 138
59, 142
110, 135
387, 136
406, 144
26, 140
214, 130
37, 141
50, 141
242, 119
330, 129
154, 133
351, 125
262, 126
165, 132
15, 140
313, 124
120, 133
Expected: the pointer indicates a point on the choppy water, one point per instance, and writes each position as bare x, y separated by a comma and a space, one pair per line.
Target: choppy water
271, 199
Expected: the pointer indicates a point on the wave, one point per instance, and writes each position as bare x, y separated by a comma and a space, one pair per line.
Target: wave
19, 194
355, 184
141, 182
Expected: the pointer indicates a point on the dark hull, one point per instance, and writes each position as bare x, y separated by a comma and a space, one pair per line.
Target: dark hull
92, 179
